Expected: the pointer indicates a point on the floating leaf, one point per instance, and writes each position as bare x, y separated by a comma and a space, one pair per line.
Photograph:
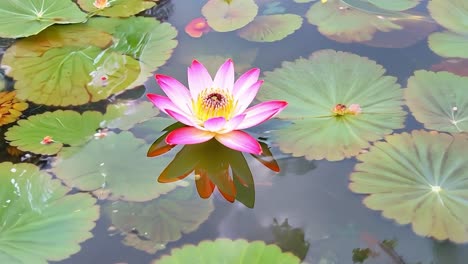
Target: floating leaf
62, 127
224, 17
449, 44
162, 220
452, 14
114, 166
26, 18
10, 107
457, 66
271, 28
117, 8
126, 115
315, 87
228, 251
439, 100
418, 178
374, 6
40, 223
340, 22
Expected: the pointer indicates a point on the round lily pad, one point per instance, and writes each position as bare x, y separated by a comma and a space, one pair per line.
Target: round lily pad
324, 94
271, 28
60, 127
228, 251
343, 23
224, 17
449, 44
419, 178
439, 100
373, 5
161, 220
453, 14
26, 18
126, 115
117, 8
114, 166
40, 222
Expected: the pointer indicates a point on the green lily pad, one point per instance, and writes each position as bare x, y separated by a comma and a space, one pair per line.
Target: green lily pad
376, 5
271, 28
26, 18
114, 167
118, 8
418, 178
161, 220
64, 128
126, 115
453, 14
228, 251
314, 87
40, 223
343, 23
439, 100
224, 17
449, 44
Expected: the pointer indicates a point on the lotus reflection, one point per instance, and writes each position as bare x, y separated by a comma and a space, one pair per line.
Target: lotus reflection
213, 165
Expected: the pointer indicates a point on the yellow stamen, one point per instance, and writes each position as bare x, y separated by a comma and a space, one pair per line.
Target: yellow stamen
214, 103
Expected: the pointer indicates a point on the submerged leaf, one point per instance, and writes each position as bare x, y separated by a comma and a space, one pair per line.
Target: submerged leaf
40, 222
228, 251
271, 28
418, 178
321, 92
26, 18
224, 17
117, 8
113, 167
439, 100
124, 116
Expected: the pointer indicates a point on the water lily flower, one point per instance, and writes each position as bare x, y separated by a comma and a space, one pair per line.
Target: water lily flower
215, 108
197, 27
101, 4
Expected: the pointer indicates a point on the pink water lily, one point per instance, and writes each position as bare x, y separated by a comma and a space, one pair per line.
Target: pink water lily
215, 108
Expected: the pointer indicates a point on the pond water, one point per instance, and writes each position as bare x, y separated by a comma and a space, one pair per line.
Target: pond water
371, 149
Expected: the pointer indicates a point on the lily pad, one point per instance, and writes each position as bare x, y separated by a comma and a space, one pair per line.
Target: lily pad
453, 14
449, 44
162, 220
63, 127
375, 5
26, 18
117, 8
271, 28
224, 17
40, 222
126, 115
228, 251
343, 23
439, 100
457, 66
315, 87
418, 178
113, 167
10, 107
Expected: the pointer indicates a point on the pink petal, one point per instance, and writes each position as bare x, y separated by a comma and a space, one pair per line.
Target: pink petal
198, 78
176, 91
247, 96
240, 141
246, 80
261, 112
188, 135
224, 78
181, 117
233, 123
163, 103
215, 124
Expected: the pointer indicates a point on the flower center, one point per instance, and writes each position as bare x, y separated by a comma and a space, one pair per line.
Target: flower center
214, 103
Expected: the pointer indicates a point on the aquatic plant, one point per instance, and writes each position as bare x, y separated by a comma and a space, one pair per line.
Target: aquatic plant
10, 107
215, 108
225, 17
229, 251
270, 28
419, 178
197, 27
116, 8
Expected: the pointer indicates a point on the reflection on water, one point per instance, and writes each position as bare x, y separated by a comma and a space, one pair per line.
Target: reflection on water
83, 84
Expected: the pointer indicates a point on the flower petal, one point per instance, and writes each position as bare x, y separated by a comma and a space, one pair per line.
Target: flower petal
247, 96
181, 117
163, 103
188, 135
176, 91
224, 78
198, 78
215, 124
246, 80
261, 112
240, 141
233, 123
